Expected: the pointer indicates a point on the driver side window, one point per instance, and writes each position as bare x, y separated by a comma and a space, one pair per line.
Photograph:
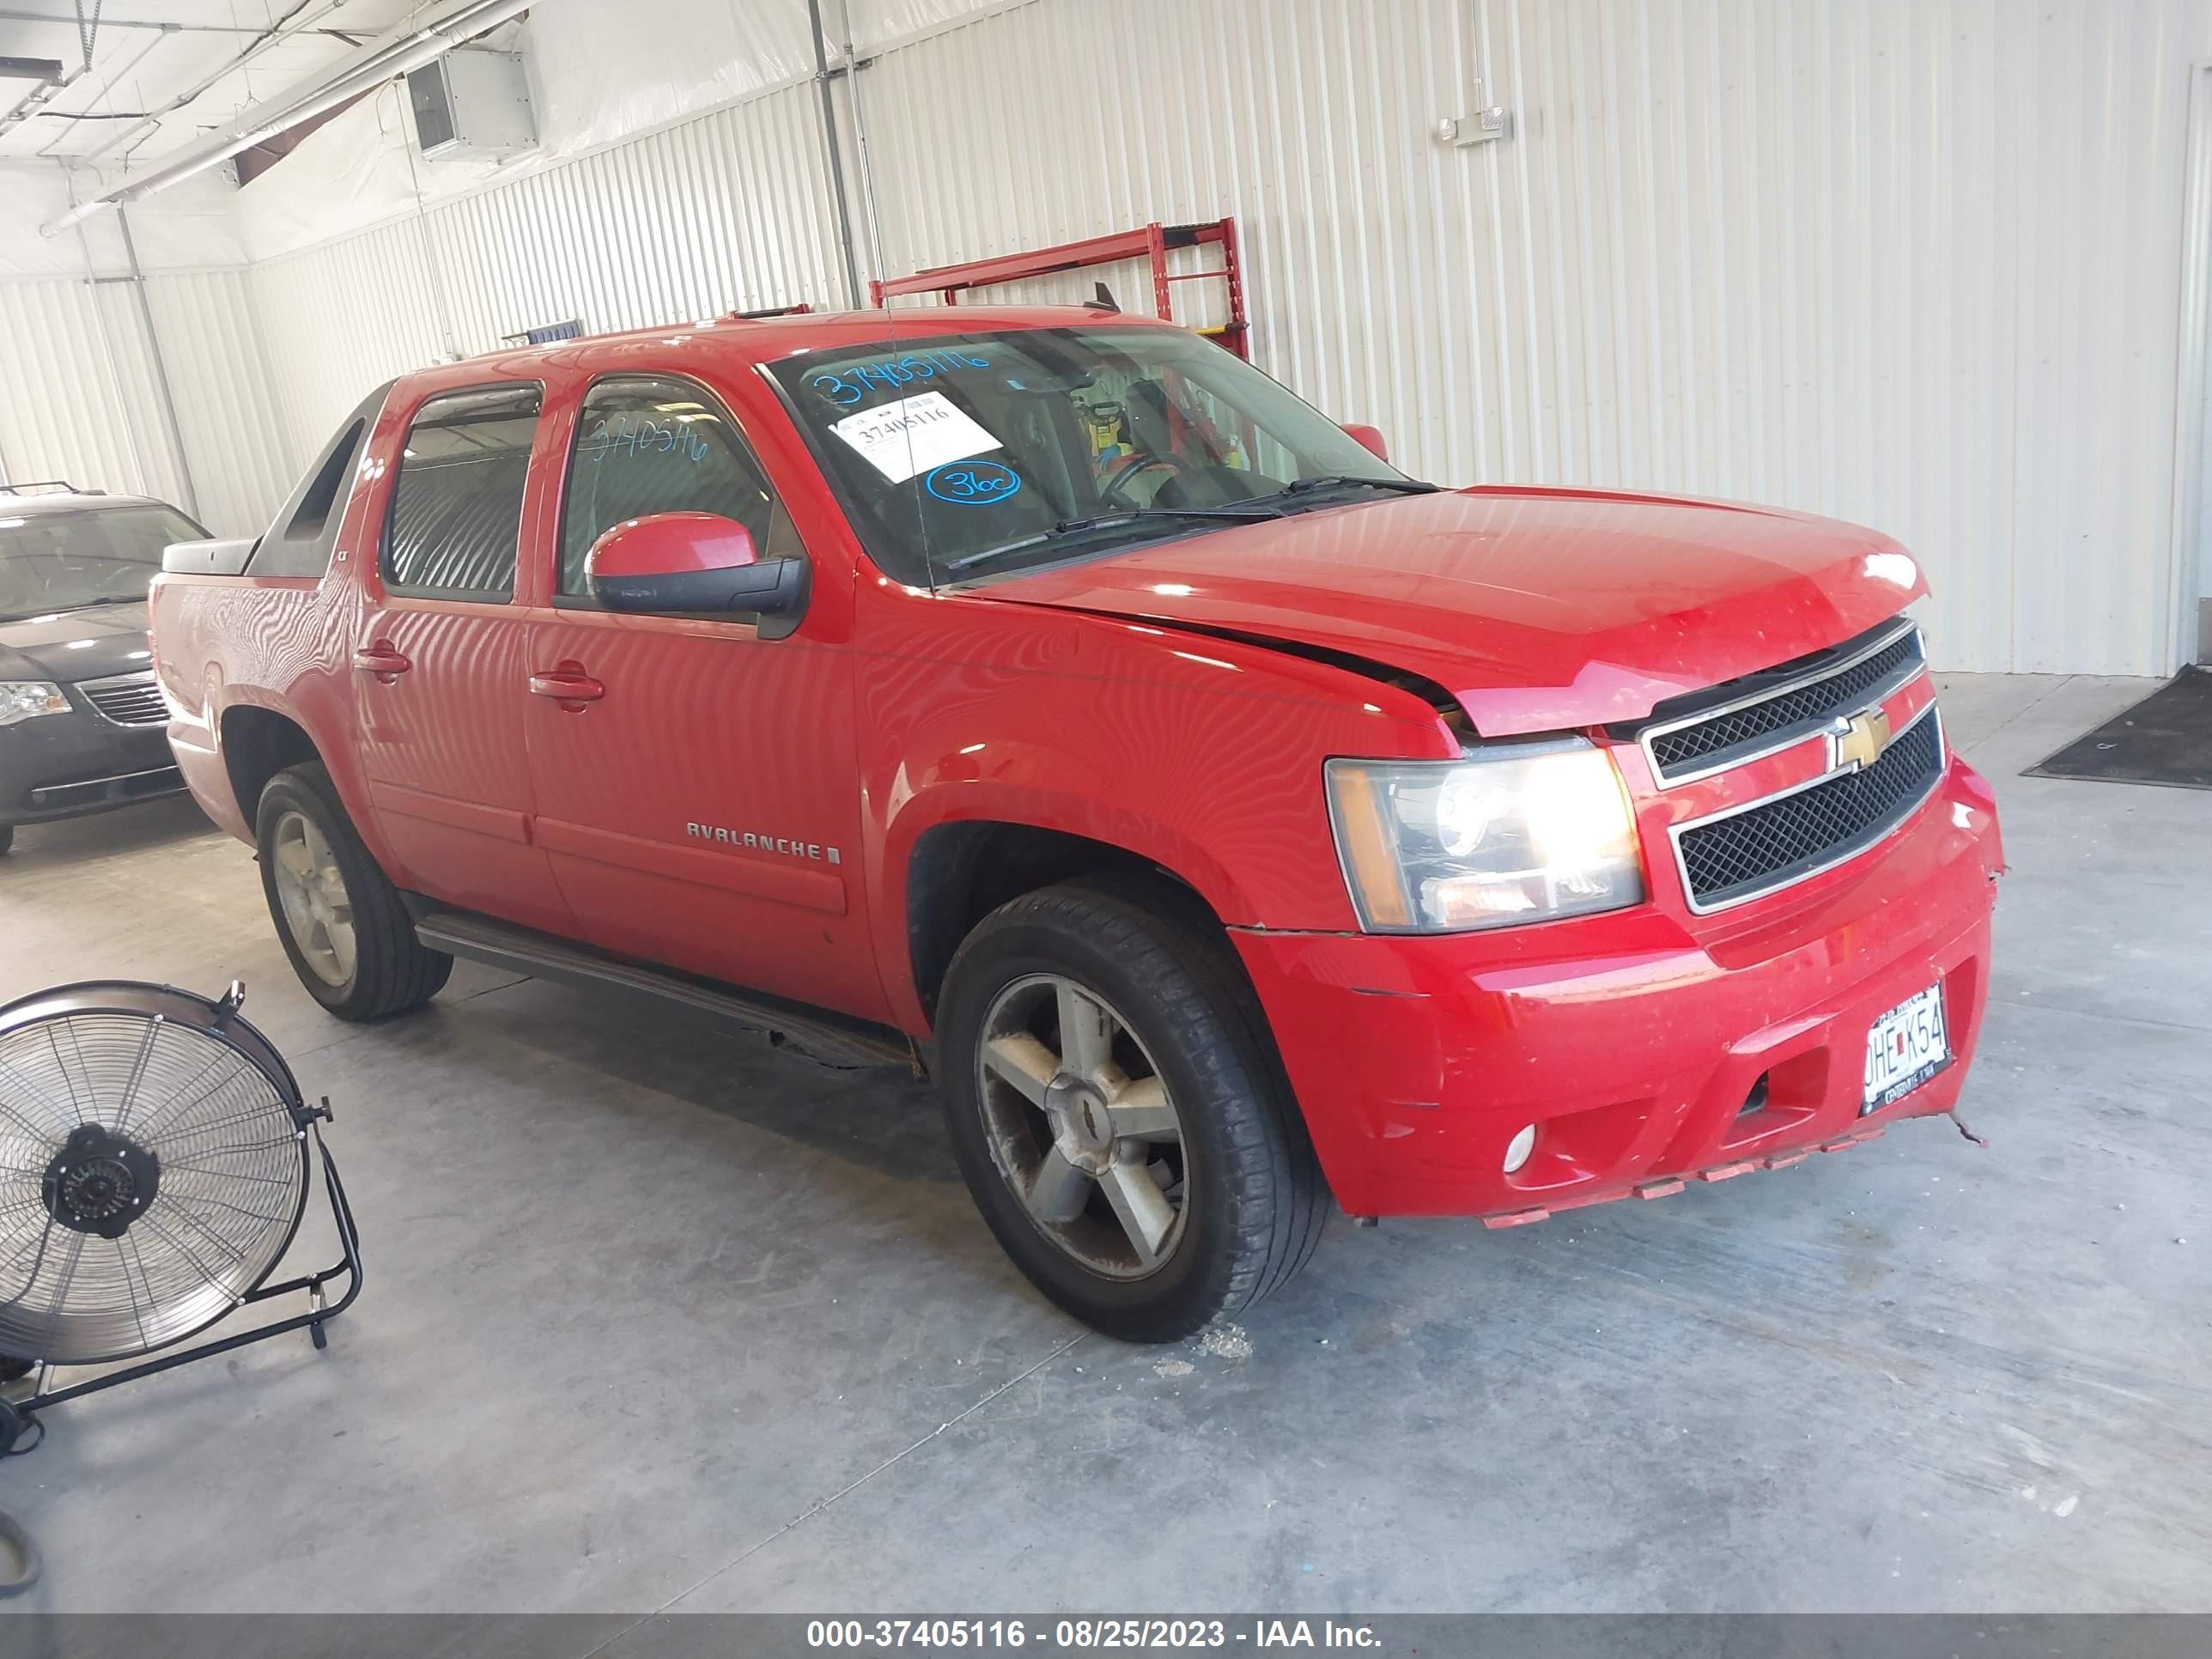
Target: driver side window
653, 444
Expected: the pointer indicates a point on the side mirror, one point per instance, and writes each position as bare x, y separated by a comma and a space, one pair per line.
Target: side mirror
699, 564
1369, 439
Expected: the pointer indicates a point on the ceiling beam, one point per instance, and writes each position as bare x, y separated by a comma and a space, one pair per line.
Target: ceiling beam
11, 15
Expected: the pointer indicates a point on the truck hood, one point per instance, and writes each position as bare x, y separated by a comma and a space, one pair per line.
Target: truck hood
75, 645
1538, 610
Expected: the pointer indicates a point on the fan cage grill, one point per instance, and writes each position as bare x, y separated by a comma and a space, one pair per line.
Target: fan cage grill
233, 1182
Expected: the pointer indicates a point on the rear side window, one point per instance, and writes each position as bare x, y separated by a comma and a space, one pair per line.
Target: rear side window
298, 542
655, 445
456, 501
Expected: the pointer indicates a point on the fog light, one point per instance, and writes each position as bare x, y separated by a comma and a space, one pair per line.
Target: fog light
1518, 1148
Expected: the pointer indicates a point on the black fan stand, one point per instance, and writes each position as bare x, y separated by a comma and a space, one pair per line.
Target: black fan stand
21, 1427
19, 1417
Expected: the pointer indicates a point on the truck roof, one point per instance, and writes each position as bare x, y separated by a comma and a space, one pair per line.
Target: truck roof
735, 340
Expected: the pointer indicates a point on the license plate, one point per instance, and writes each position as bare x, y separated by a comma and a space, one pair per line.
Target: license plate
1906, 1047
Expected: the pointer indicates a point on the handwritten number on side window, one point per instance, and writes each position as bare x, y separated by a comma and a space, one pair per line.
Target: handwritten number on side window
646, 436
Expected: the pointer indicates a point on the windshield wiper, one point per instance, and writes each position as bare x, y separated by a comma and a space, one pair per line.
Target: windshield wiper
1346, 480
1066, 527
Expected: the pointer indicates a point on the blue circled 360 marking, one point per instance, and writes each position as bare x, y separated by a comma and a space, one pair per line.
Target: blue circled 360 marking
973, 483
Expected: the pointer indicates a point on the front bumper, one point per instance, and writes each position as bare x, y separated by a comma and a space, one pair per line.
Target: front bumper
1634, 1040
64, 766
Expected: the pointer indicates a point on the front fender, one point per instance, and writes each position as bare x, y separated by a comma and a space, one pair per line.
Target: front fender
1027, 797
1201, 755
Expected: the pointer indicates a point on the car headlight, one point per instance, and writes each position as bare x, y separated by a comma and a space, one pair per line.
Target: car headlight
1519, 832
25, 699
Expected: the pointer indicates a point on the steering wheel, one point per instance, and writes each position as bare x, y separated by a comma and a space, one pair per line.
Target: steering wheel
1113, 488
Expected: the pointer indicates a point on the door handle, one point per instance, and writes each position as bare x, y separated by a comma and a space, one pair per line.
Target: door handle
380, 659
568, 685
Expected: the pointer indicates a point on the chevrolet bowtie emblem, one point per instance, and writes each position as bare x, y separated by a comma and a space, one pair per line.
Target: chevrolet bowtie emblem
1858, 741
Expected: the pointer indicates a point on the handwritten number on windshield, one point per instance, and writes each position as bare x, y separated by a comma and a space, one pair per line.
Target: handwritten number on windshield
856, 382
973, 483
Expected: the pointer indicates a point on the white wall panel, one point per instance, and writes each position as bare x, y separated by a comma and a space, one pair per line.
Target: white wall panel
1910, 261
73, 403
728, 212
242, 464
79, 398
337, 319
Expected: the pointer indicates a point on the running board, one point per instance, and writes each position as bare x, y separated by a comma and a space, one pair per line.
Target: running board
822, 1034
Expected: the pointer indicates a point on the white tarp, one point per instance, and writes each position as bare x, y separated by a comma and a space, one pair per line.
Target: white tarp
598, 74
193, 227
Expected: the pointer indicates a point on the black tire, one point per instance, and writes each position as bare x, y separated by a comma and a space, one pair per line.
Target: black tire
391, 972
7, 838
1255, 1199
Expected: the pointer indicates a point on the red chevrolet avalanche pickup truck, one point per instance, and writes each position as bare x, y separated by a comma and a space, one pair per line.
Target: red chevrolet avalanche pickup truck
1050, 700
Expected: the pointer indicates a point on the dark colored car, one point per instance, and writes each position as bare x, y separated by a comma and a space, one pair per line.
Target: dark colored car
83, 726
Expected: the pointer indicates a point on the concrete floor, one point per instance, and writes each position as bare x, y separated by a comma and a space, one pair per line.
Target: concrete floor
656, 1318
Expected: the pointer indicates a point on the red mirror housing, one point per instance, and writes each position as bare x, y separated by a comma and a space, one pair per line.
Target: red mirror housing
1369, 439
670, 544
695, 563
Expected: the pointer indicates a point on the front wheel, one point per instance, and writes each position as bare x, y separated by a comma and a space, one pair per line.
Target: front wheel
7, 838
340, 920
1117, 1109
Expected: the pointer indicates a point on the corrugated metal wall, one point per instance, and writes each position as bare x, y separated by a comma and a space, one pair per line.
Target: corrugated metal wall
241, 463
79, 398
1912, 264
77, 393
1911, 261
731, 212
340, 318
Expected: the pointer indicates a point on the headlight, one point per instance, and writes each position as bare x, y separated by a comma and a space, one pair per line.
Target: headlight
25, 699
1522, 832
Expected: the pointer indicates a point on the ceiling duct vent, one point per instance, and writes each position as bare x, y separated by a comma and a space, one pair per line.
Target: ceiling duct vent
471, 103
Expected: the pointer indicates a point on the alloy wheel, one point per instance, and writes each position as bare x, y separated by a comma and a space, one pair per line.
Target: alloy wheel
311, 890
1082, 1126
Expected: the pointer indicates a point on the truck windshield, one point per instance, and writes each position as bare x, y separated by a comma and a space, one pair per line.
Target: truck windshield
54, 562
958, 457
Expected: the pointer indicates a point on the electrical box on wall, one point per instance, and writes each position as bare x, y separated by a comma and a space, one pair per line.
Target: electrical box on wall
472, 102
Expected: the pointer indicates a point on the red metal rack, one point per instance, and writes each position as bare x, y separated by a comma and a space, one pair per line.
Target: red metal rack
1151, 242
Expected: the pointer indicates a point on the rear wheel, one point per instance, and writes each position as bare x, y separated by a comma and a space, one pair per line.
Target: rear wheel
7, 837
340, 920
1118, 1112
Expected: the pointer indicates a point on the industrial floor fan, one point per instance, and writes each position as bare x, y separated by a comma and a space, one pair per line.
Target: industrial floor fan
154, 1169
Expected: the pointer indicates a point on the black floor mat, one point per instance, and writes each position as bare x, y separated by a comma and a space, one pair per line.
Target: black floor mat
2165, 738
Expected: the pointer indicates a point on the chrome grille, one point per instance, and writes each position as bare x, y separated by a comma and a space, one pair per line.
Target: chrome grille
1757, 716
1750, 850
127, 699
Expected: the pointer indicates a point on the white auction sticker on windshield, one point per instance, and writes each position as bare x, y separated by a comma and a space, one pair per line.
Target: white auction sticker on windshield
914, 434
